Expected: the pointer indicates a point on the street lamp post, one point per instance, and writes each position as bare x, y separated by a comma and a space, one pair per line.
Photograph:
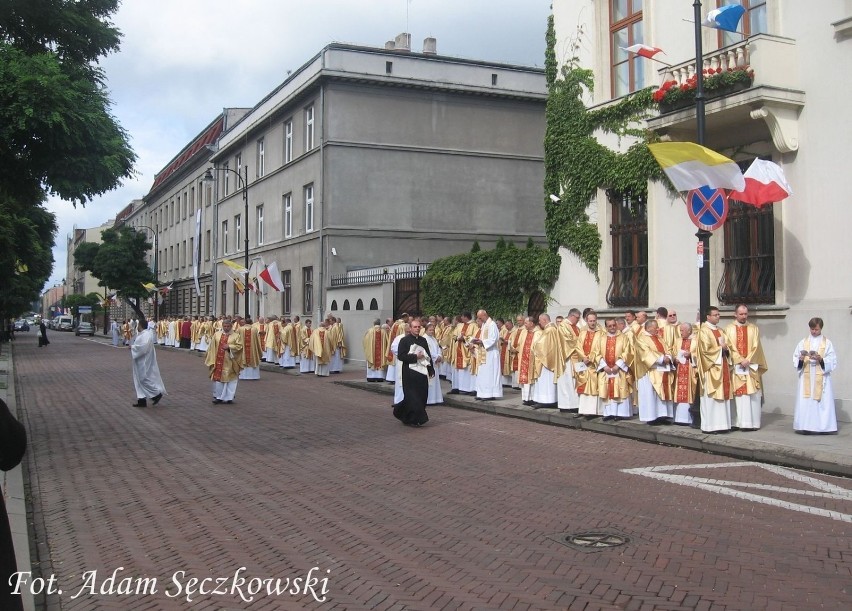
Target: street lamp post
155, 230
243, 181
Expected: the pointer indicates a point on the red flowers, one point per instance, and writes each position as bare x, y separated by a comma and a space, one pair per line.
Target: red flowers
715, 79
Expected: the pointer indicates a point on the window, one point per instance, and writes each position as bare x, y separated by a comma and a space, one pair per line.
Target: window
286, 291
227, 178
346, 304
208, 195
223, 300
748, 274
629, 232
625, 28
172, 265
334, 305
752, 22
238, 163
259, 216
191, 253
388, 67
309, 208
308, 289
224, 237
207, 245
183, 257
288, 216
309, 128
236, 301
191, 201
261, 167
359, 305
185, 204
374, 305
238, 231
288, 141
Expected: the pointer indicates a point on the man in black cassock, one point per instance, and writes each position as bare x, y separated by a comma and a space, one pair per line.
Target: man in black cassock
13, 443
411, 410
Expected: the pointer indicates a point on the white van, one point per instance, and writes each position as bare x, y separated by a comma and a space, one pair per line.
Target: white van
63, 323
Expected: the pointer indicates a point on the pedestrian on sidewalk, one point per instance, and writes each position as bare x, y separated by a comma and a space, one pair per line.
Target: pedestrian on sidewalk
146, 372
42, 334
13, 444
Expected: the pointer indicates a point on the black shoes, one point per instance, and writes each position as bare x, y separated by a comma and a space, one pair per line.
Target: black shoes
217, 401
156, 399
141, 403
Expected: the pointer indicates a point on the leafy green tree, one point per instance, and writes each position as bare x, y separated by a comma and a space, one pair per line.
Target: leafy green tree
57, 133
119, 263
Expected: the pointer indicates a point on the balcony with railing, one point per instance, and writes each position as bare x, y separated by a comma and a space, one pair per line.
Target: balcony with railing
768, 108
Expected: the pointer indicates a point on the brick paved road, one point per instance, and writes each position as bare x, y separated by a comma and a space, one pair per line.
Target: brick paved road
461, 514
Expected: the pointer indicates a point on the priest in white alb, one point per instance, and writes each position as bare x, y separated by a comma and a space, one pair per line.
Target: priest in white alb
489, 385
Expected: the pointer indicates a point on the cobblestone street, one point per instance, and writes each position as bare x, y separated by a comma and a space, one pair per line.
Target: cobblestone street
306, 479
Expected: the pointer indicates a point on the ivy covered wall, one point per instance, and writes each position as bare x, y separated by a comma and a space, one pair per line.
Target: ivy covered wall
577, 165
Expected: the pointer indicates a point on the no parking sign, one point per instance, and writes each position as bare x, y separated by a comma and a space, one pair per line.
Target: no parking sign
708, 208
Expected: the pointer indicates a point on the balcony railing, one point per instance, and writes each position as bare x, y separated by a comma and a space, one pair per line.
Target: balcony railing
379, 276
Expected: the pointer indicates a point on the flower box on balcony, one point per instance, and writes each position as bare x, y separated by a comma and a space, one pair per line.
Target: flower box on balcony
672, 96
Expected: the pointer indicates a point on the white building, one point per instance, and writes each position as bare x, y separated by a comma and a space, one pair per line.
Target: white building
787, 261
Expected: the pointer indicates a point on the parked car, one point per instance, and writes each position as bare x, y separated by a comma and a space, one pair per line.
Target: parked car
84, 327
63, 323
22, 325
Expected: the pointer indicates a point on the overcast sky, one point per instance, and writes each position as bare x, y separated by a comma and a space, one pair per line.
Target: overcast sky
182, 61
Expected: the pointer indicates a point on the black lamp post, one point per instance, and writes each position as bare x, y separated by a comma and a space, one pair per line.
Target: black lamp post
155, 230
243, 181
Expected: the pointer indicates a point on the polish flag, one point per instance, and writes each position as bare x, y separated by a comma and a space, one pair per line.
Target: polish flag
765, 184
643, 50
272, 276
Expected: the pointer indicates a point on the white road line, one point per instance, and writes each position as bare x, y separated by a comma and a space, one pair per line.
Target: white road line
729, 488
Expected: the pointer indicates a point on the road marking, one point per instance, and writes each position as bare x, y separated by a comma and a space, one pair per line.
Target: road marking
819, 488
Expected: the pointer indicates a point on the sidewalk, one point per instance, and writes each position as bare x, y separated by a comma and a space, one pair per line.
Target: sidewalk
12, 482
774, 443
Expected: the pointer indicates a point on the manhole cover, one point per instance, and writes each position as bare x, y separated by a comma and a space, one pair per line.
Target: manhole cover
591, 541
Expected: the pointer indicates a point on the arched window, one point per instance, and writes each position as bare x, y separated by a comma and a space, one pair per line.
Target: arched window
345, 304
359, 305
334, 305
374, 305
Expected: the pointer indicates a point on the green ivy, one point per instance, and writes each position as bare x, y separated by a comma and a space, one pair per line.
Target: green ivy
500, 280
577, 165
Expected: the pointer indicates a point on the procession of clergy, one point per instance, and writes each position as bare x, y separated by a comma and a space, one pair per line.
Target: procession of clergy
635, 363
234, 347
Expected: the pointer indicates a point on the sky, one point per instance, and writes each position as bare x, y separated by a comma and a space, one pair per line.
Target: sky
182, 61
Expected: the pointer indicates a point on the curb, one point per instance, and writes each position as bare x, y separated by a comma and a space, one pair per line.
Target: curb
733, 444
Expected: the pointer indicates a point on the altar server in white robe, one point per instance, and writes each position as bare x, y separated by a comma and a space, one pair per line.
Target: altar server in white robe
435, 395
398, 394
146, 373
815, 360
489, 385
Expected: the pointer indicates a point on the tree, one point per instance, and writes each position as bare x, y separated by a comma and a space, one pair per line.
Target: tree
75, 301
57, 134
119, 263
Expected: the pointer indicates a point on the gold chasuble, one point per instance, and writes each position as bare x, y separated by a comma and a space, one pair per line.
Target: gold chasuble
251, 346
744, 343
713, 365
548, 350
375, 347
587, 381
225, 356
612, 349
686, 375
528, 369
320, 345
649, 349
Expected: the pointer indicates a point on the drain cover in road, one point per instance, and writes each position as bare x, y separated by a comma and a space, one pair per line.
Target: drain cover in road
591, 541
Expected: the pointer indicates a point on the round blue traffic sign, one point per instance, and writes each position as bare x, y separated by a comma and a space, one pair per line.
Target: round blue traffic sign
708, 208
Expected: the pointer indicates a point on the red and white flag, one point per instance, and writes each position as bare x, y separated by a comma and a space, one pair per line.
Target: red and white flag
272, 276
643, 50
765, 184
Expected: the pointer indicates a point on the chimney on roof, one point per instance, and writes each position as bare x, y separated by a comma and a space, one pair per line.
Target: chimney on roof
430, 46
403, 42
390, 45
